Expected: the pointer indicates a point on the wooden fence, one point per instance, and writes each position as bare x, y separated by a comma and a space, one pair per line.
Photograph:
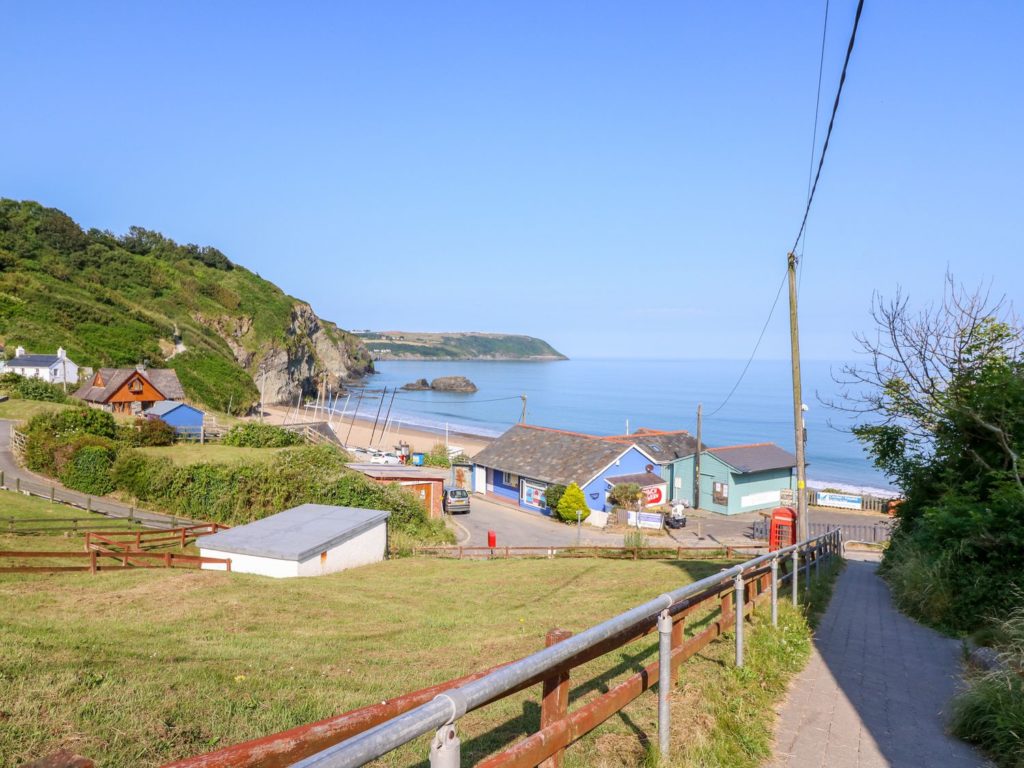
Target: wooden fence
615, 553
136, 541
712, 611
94, 563
19, 525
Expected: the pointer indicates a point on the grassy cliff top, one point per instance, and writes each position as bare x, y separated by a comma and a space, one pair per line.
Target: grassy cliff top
458, 346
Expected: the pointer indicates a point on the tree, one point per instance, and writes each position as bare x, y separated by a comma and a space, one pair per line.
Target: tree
552, 495
625, 495
573, 501
942, 406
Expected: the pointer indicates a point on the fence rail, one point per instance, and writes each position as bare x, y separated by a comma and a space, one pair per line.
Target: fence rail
873, 533
128, 560
17, 525
134, 541
621, 553
359, 736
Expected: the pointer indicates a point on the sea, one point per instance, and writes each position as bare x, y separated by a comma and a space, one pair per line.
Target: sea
615, 396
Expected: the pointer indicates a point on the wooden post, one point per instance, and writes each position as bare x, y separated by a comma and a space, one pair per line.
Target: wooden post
17, 484
555, 702
802, 523
182, 538
167, 559
92, 561
88, 539
138, 539
2, 479
53, 492
227, 566
727, 605
678, 631
88, 503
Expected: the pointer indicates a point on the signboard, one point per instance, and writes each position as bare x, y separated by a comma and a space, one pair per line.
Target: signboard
654, 495
840, 500
532, 495
787, 497
647, 519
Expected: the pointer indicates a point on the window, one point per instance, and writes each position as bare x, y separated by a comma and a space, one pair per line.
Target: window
720, 493
136, 386
509, 478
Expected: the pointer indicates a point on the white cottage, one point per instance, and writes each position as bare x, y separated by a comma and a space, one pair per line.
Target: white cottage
55, 369
308, 540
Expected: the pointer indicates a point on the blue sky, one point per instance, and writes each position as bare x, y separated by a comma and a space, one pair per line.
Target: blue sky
621, 179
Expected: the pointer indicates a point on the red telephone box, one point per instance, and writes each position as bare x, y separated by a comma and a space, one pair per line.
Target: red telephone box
782, 532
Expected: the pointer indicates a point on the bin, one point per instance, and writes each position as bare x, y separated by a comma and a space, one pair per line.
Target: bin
417, 459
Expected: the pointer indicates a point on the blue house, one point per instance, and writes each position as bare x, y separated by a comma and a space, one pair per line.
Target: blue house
736, 478
523, 462
183, 417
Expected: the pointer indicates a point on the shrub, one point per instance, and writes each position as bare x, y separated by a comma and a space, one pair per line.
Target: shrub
625, 495
252, 434
573, 501
552, 495
990, 713
437, 456
634, 540
33, 389
88, 470
154, 432
47, 432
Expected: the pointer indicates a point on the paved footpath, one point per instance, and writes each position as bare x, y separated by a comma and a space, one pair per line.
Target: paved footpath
875, 690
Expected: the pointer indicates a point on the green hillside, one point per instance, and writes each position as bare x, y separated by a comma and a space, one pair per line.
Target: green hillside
412, 345
120, 300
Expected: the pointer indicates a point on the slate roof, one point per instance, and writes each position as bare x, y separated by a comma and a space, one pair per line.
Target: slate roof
296, 534
549, 455
662, 446
164, 379
757, 457
643, 479
33, 361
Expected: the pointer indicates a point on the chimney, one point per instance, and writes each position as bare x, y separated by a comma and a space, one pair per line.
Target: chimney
18, 352
61, 353
141, 367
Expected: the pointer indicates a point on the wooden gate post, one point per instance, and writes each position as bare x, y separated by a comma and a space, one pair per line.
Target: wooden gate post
92, 561
727, 607
555, 704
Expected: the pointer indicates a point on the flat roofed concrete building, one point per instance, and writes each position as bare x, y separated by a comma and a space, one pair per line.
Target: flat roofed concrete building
308, 540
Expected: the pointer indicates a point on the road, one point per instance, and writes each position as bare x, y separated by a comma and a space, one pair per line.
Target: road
17, 477
517, 527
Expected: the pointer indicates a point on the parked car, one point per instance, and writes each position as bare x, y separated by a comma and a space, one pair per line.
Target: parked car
455, 500
384, 458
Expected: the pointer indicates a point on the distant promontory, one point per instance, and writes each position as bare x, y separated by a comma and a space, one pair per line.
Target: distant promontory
412, 345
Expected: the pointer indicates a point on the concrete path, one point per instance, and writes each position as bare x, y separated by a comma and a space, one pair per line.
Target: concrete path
875, 690
41, 486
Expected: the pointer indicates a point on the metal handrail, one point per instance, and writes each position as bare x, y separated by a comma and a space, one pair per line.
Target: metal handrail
451, 705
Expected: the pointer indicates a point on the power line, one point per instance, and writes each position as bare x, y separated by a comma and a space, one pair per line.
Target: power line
764, 328
831, 124
814, 135
458, 402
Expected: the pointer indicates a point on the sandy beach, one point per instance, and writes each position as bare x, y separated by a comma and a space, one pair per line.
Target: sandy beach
358, 434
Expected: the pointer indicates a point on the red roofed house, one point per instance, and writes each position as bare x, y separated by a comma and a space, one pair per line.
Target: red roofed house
130, 390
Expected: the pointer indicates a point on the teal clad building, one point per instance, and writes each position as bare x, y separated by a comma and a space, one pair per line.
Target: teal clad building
734, 479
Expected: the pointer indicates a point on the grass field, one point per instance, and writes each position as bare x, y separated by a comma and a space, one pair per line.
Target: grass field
194, 453
26, 409
141, 667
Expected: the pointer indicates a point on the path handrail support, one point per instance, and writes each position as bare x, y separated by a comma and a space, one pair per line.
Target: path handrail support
431, 716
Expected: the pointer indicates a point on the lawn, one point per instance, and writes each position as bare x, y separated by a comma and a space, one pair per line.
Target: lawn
22, 410
211, 453
140, 667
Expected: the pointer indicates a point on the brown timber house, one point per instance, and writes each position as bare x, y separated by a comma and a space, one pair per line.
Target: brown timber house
130, 390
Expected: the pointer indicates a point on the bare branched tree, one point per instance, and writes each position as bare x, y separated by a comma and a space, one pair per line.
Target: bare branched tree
918, 360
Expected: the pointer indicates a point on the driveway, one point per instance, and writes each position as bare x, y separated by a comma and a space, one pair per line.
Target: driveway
17, 477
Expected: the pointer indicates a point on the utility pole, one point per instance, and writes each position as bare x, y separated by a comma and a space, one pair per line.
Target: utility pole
802, 523
522, 416
696, 459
